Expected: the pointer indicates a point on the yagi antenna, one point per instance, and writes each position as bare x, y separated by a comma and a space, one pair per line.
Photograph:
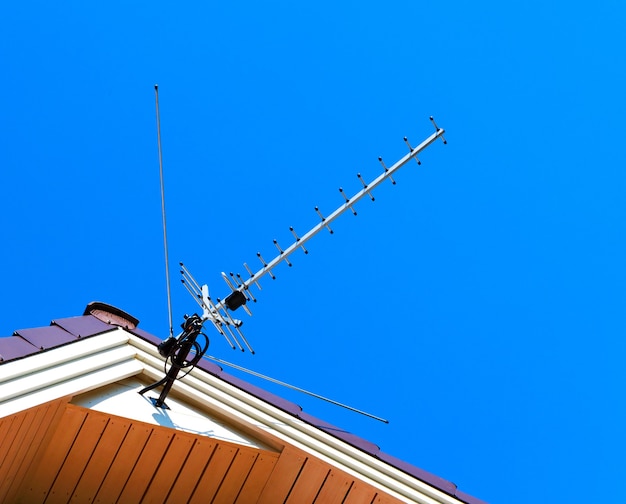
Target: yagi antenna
218, 311
186, 350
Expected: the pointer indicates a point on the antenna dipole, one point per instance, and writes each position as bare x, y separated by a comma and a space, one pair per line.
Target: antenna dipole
167, 262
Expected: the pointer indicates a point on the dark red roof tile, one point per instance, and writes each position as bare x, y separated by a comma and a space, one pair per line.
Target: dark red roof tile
145, 335
46, 337
81, 327
14, 347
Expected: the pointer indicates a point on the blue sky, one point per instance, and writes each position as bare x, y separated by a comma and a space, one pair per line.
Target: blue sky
478, 304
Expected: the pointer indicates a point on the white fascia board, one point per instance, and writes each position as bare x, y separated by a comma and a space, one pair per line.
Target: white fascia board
235, 403
67, 370
77, 385
62, 354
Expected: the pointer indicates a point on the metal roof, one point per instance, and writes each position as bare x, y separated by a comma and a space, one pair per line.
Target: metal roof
100, 318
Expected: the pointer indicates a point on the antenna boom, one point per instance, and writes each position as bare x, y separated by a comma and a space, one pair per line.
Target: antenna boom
326, 221
297, 389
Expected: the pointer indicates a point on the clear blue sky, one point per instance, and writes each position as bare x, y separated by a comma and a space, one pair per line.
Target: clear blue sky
478, 304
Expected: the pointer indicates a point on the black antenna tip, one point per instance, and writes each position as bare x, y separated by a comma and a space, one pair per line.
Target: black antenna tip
431, 118
405, 139
180, 263
445, 142
156, 86
380, 158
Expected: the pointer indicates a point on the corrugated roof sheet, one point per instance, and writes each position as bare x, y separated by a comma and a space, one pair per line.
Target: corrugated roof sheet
25, 342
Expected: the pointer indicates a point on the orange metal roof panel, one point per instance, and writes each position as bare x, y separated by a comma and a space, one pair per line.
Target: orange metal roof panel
77, 454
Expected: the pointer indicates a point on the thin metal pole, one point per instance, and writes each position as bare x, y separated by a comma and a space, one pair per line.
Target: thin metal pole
293, 387
167, 262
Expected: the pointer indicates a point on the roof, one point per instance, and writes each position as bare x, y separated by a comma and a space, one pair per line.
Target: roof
99, 318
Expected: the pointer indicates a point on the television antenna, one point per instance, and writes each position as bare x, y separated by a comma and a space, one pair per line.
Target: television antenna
185, 351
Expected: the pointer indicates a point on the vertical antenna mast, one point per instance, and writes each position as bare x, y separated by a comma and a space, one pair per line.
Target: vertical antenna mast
167, 262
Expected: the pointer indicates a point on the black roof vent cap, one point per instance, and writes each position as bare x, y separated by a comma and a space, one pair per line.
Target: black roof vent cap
111, 315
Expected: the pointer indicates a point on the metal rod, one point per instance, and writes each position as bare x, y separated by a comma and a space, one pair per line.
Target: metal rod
232, 288
233, 335
298, 240
247, 291
167, 262
298, 389
323, 221
190, 276
194, 287
245, 340
380, 159
281, 251
365, 186
406, 141
193, 294
252, 276
437, 128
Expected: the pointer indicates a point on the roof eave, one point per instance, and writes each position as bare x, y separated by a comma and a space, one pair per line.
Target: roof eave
99, 360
